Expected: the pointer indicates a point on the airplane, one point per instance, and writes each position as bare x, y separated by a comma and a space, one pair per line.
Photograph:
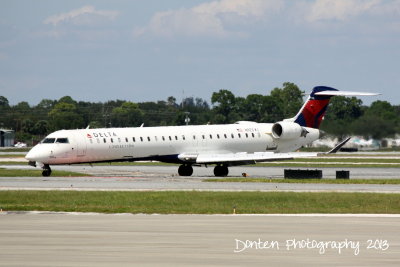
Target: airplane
241, 143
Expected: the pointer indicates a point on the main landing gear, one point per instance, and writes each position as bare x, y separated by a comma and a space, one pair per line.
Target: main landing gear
219, 170
46, 170
185, 170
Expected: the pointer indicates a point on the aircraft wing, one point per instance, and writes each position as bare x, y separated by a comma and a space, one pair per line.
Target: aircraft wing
248, 158
251, 158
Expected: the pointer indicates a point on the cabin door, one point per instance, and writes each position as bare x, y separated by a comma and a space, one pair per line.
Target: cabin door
81, 145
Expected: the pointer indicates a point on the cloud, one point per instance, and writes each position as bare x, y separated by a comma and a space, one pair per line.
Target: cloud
3, 56
85, 15
209, 19
341, 10
247, 8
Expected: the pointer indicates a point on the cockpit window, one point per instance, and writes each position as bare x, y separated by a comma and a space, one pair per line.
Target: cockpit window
48, 141
62, 140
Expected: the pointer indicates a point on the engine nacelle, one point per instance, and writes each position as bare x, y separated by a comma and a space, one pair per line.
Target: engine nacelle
286, 130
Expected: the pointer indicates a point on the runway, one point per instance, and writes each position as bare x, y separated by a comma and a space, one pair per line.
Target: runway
140, 178
56, 239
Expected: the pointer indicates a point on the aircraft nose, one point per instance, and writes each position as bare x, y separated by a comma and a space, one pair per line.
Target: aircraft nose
31, 156
35, 154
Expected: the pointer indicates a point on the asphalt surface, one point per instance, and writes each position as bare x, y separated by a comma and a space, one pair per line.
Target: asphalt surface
166, 178
75, 239
198, 240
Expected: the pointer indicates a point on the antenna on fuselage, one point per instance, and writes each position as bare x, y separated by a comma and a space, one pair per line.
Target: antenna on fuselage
141, 126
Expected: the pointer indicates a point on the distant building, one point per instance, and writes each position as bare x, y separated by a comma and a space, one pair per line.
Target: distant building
391, 142
6, 138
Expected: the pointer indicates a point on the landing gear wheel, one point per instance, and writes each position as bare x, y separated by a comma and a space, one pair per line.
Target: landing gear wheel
185, 170
221, 170
46, 171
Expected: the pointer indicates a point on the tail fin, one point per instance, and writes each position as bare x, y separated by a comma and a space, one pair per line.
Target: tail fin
313, 110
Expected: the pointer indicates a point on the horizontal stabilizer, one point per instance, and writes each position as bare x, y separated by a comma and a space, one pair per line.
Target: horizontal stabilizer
345, 93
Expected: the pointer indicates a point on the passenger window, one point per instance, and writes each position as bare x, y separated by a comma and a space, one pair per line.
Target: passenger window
126, 139
252, 134
194, 137
112, 141
183, 137
170, 138
239, 135
163, 138
133, 139
148, 138
225, 136
247, 135
210, 136
233, 136
176, 138
141, 139
203, 136
218, 136
105, 140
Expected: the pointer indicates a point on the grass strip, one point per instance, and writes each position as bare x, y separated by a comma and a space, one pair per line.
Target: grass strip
326, 165
303, 181
36, 173
347, 160
22, 156
13, 163
350, 155
195, 202
325, 149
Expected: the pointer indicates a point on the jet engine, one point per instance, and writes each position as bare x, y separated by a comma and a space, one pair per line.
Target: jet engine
287, 130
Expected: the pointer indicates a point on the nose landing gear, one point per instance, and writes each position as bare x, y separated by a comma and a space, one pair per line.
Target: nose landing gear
46, 170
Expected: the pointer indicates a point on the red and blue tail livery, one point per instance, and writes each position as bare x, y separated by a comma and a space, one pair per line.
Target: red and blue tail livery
313, 111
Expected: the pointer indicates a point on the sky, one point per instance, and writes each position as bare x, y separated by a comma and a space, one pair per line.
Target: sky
141, 51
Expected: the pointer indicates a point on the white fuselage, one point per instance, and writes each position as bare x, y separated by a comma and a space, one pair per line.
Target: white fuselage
161, 143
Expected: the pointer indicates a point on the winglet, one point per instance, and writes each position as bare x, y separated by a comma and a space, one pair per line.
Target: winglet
338, 146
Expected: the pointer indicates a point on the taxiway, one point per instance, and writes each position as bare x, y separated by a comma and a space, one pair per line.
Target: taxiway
139, 178
58, 239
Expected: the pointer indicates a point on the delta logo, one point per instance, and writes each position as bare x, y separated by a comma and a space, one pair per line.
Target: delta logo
99, 134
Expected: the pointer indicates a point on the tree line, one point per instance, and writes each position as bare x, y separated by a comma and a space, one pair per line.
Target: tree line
345, 116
